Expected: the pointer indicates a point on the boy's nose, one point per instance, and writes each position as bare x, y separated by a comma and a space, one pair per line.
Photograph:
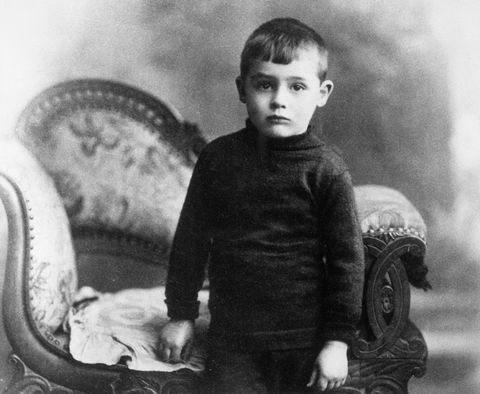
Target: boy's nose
279, 98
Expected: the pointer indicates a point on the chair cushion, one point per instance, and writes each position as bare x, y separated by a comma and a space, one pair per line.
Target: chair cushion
382, 210
53, 278
123, 328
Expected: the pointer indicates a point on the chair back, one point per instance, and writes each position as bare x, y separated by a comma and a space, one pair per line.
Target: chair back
120, 158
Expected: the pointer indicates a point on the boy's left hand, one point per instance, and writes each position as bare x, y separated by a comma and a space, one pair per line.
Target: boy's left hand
330, 369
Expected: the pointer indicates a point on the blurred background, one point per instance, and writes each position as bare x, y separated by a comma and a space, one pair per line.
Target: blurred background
404, 111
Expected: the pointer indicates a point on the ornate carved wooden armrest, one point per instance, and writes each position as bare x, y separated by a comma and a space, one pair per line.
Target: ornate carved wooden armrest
40, 273
39, 242
389, 349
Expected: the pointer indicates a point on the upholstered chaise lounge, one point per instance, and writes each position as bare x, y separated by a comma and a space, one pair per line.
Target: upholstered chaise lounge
92, 185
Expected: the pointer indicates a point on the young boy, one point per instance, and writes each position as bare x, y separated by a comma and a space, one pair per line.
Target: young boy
272, 209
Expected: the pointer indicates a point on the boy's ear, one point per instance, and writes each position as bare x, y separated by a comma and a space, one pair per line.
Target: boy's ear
326, 88
241, 89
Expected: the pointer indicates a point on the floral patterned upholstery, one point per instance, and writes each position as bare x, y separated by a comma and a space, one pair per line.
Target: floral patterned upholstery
386, 214
383, 210
120, 158
52, 279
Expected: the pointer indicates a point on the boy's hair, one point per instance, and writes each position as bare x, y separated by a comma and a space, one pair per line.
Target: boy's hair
278, 41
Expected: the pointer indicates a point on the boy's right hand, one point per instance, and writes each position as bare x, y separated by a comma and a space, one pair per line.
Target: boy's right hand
176, 340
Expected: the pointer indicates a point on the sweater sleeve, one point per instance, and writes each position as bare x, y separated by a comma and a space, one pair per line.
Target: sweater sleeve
344, 261
190, 248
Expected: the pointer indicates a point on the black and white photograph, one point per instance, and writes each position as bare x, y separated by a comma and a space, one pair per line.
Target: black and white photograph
220, 196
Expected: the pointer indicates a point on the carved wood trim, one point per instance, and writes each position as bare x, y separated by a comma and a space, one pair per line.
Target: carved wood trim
382, 376
387, 293
66, 97
177, 382
26, 381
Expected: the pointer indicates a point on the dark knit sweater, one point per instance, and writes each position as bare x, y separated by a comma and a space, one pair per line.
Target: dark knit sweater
276, 220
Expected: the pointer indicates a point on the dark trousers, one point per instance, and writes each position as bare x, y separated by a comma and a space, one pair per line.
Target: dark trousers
284, 371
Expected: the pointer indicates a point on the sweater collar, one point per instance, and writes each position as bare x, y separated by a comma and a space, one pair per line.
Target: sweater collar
306, 140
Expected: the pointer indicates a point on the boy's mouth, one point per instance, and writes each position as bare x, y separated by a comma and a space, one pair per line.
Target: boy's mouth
277, 119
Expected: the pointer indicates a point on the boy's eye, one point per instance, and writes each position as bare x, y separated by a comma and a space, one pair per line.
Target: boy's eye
264, 85
298, 86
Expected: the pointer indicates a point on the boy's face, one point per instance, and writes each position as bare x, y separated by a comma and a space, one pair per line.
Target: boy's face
281, 98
